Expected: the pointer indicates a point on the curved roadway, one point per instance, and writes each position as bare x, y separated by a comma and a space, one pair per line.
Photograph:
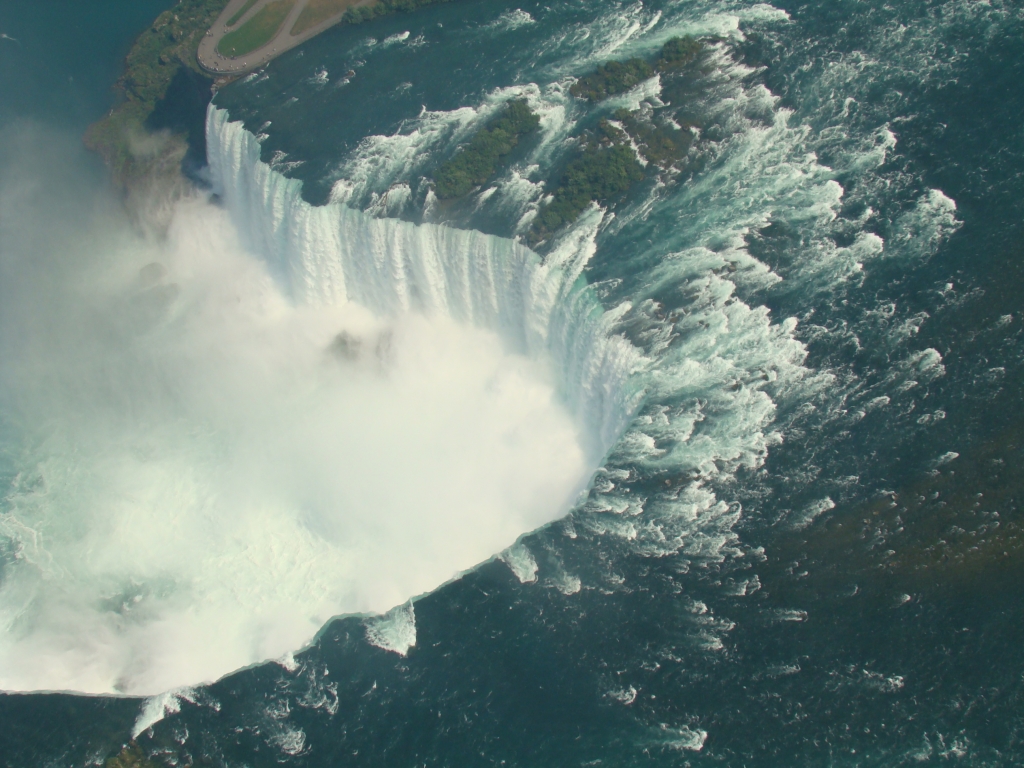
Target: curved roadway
215, 63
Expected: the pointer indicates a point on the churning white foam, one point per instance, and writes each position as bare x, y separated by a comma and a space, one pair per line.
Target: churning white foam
214, 452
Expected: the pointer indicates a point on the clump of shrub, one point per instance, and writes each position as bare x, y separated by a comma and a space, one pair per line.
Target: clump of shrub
610, 159
617, 77
131, 756
611, 79
609, 164
600, 174
678, 52
475, 163
660, 145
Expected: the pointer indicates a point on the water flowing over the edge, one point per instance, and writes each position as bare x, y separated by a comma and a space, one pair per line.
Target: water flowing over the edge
672, 420
334, 254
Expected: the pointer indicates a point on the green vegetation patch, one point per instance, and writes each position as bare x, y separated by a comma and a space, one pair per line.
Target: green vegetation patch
245, 9
617, 77
610, 161
475, 163
662, 145
257, 31
611, 79
608, 167
678, 52
159, 55
319, 11
601, 174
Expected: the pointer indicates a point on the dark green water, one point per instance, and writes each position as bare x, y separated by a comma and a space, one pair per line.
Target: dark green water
66, 58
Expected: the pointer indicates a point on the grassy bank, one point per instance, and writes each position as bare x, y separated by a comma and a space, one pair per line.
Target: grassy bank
319, 11
163, 93
241, 12
257, 31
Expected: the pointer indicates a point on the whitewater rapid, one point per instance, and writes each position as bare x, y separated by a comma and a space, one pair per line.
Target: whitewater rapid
686, 396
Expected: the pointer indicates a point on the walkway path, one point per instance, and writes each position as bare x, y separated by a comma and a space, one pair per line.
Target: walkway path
215, 63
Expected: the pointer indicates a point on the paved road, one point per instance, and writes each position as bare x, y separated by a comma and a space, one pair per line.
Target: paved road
216, 64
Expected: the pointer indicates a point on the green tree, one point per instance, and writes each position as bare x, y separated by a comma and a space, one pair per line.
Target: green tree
478, 161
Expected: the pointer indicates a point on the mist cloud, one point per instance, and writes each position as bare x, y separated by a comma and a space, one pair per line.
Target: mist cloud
198, 474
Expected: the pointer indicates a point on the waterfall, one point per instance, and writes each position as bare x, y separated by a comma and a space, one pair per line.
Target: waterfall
333, 254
